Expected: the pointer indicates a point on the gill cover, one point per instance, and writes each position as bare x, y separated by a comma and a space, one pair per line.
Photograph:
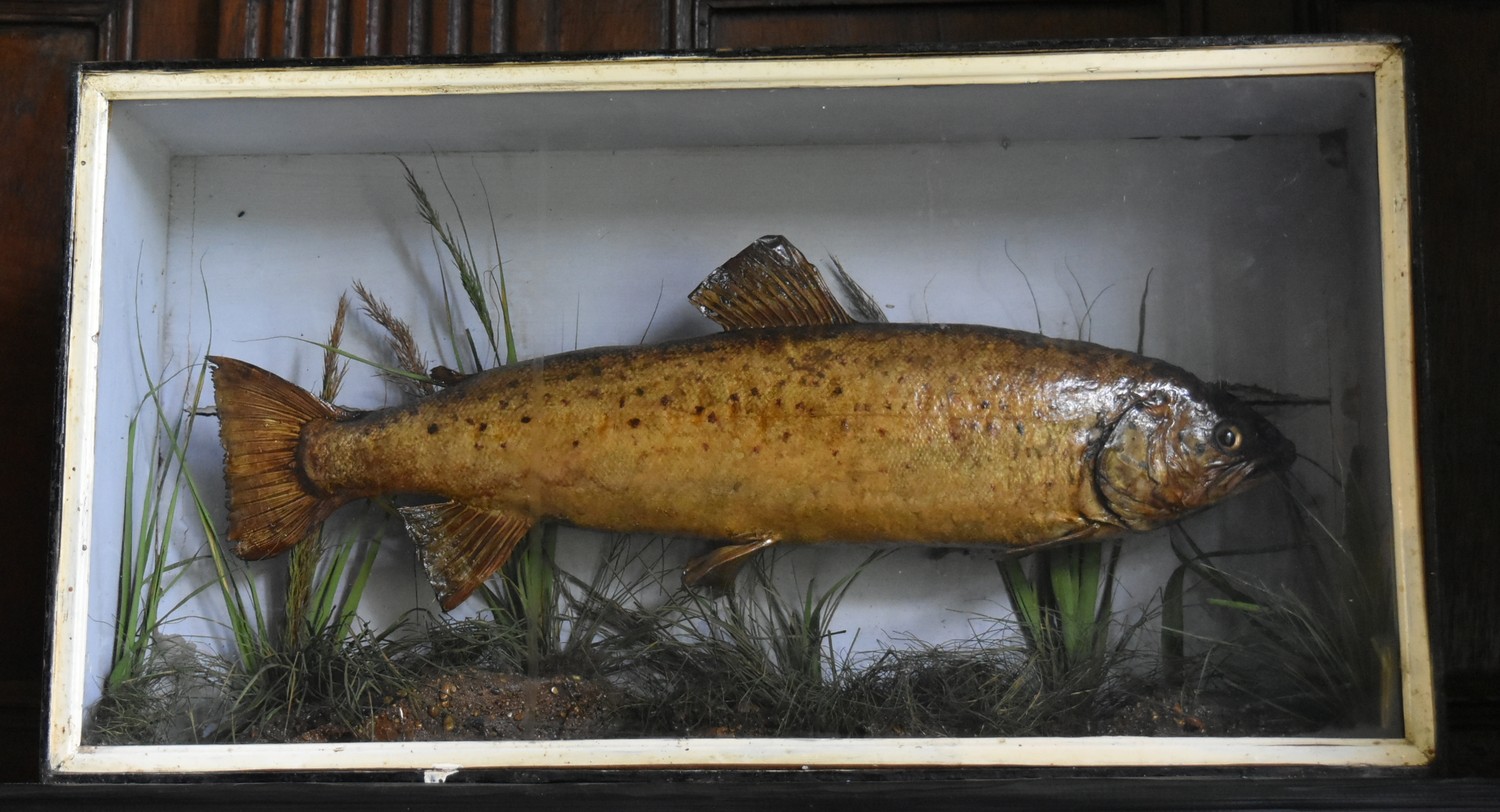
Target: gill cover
1133, 464
1171, 453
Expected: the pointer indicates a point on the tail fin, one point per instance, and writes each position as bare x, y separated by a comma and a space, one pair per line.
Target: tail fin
261, 416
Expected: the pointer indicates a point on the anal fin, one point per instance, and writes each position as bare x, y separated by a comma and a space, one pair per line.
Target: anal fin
461, 545
769, 284
719, 568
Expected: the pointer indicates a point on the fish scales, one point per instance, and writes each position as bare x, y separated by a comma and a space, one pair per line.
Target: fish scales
892, 432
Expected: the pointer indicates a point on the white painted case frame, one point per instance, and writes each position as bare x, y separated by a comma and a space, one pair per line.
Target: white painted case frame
66, 756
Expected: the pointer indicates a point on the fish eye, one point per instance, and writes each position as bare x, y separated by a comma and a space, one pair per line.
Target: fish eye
1228, 437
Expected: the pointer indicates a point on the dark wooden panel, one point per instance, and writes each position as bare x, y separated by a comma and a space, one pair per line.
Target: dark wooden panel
327, 28
176, 29
326, 32
613, 25
36, 58
1456, 48
365, 28
490, 32
1237, 17
108, 22
538, 26
785, 23
447, 31
243, 28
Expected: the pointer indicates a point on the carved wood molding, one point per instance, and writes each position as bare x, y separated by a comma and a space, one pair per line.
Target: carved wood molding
112, 21
252, 29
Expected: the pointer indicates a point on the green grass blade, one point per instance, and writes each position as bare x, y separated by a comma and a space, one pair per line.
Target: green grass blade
1023, 599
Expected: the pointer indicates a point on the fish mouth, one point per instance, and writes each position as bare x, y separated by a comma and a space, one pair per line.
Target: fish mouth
1272, 455
1276, 458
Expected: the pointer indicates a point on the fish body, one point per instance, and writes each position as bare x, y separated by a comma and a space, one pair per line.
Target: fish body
791, 434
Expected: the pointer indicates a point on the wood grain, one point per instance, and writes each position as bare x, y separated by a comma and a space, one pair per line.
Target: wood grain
36, 59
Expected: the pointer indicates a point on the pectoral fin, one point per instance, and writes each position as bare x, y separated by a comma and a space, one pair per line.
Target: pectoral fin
718, 568
461, 545
769, 284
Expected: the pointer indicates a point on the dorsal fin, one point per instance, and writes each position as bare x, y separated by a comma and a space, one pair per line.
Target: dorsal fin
769, 284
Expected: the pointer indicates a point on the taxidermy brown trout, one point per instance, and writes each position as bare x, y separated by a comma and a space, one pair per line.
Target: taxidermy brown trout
796, 426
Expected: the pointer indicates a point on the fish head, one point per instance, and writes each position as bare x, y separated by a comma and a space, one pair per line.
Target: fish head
1178, 448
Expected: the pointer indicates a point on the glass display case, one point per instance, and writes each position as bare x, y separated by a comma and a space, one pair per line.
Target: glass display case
378, 234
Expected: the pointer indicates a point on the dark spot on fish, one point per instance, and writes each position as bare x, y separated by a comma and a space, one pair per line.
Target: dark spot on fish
504, 404
571, 376
881, 432
484, 426
844, 425
800, 406
513, 384
525, 418
697, 410
954, 434
666, 400
705, 446
755, 450
241, 214
594, 393
567, 402
778, 403
469, 420
838, 390
984, 404
432, 428
575, 443
1020, 428
786, 435
639, 391
635, 422
713, 418
835, 452
734, 397
887, 405
622, 401
504, 444
754, 392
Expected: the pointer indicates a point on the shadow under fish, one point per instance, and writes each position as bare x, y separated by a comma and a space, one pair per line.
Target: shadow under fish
797, 425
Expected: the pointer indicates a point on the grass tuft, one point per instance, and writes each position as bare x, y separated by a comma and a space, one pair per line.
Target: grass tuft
1322, 650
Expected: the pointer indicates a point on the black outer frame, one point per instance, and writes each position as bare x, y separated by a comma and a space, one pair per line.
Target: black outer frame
1313, 787
759, 793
